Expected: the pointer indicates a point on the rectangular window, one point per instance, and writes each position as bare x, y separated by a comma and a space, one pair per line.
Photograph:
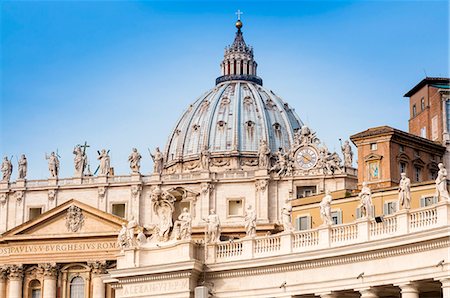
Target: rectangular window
358, 212
235, 207
414, 112
305, 191
34, 212
423, 132
418, 174
428, 201
402, 167
118, 210
434, 128
422, 104
373, 146
402, 148
389, 208
336, 216
303, 223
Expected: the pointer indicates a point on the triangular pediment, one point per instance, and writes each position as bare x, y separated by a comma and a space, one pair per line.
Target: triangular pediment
71, 219
373, 156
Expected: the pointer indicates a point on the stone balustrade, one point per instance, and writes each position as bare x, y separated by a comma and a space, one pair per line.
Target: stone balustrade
403, 222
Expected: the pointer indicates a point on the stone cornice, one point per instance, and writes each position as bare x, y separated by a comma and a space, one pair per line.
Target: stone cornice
215, 272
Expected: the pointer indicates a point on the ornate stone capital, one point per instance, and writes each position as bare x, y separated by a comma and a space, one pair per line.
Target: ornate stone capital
98, 267
101, 192
261, 185
3, 198
19, 196
3, 272
136, 191
15, 272
49, 270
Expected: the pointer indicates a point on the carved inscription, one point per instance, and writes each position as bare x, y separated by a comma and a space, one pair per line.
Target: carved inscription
56, 248
153, 288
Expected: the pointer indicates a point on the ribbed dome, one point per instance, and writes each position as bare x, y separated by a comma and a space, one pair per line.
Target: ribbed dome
231, 119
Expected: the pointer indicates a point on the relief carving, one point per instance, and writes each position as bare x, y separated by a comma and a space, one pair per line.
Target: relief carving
74, 219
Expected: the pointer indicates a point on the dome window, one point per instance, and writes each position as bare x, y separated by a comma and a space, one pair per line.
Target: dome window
250, 124
221, 123
195, 127
248, 100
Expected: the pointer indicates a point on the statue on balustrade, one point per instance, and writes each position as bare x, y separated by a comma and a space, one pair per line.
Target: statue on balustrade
131, 225
263, 155
158, 159
6, 169
205, 158
286, 212
184, 225
441, 184
213, 232
366, 205
141, 238
347, 153
404, 192
135, 161
53, 164
105, 162
325, 209
250, 222
123, 240
23, 166
80, 161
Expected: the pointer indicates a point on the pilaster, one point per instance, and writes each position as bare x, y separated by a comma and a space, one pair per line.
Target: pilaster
445, 285
409, 290
15, 277
98, 287
49, 272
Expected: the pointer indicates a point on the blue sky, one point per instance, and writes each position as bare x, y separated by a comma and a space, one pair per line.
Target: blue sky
119, 74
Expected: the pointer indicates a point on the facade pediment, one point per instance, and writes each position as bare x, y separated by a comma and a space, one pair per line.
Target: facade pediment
373, 156
71, 219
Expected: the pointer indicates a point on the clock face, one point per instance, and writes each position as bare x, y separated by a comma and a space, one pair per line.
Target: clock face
306, 158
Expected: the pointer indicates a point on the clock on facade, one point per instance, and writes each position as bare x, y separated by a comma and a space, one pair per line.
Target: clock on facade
306, 158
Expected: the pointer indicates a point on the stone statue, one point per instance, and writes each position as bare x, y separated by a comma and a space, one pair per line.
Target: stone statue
205, 158
213, 232
365, 201
122, 238
286, 212
404, 192
6, 169
157, 161
163, 207
263, 154
80, 161
347, 153
135, 161
53, 164
325, 209
141, 238
441, 184
250, 222
283, 164
131, 225
23, 165
105, 163
184, 225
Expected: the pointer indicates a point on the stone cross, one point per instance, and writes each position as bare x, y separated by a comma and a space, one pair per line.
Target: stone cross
238, 13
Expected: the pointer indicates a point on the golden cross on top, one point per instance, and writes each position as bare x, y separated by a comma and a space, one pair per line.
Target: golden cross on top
238, 13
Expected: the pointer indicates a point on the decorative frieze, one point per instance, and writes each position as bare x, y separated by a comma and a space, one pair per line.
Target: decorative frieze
74, 219
261, 185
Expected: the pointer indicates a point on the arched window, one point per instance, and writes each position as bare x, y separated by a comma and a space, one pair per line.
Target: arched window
77, 287
35, 289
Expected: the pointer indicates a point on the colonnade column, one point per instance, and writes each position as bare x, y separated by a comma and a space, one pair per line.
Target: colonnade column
409, 290
49, 286
98, 287
3, 277
445, 287
15, 281
368, 293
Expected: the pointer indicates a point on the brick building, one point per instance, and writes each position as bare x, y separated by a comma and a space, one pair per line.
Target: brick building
385, 152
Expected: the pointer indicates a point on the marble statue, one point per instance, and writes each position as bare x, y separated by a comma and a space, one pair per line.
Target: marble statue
23, 166
157, 161
163, 208
184, 225
213, 232
263, 154
105, 163
205, 158
131, 225
283, 164
347, 153
404, 192
286, 216
250, 222
441, 184
365, 201
80, 161
122, 238
141, 238
325, 209
6, 169
135, 161
53, 164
